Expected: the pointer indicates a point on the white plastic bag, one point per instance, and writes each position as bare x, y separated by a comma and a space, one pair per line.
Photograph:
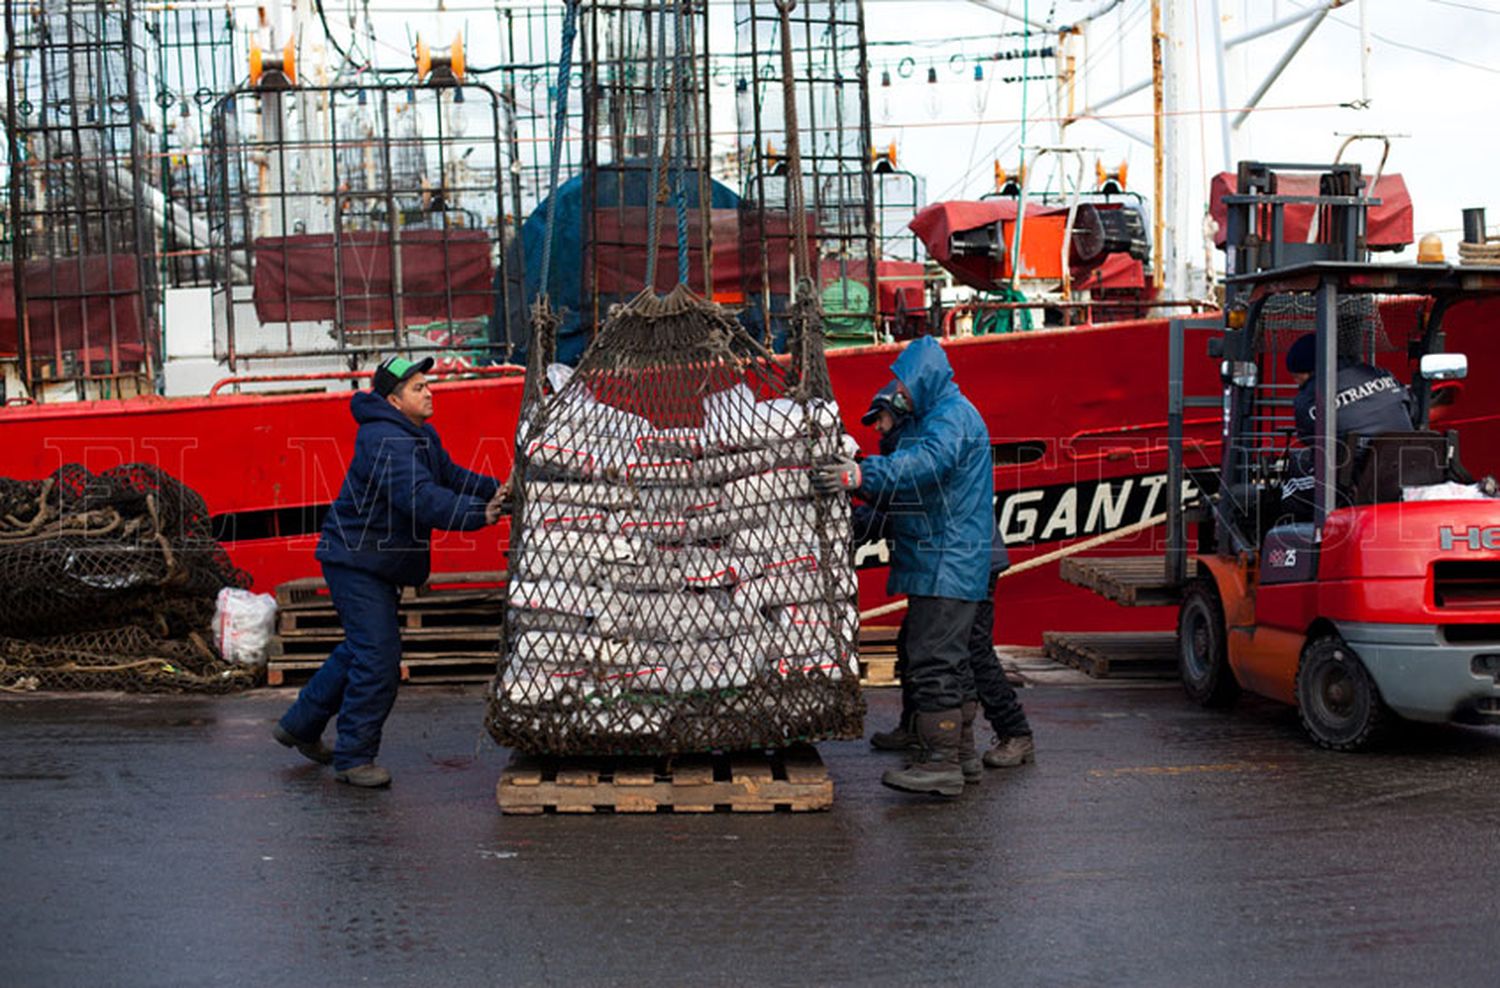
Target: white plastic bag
243, 625
1448, 491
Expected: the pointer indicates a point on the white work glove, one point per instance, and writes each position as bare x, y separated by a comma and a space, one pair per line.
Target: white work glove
841, 475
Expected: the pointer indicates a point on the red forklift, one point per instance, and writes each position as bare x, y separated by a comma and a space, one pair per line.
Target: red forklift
1381, 605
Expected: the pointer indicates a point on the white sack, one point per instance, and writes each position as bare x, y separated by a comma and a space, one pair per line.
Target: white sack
243, 624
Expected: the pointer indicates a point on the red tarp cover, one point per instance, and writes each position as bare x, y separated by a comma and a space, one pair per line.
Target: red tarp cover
1388, 226
58, 323
936, 225
737, 249
902, 287
445, 274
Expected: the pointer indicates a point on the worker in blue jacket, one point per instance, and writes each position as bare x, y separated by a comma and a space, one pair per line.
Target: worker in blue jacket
1013, 744
939, 489
400, 486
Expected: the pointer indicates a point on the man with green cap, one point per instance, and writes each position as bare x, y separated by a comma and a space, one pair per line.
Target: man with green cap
401, 486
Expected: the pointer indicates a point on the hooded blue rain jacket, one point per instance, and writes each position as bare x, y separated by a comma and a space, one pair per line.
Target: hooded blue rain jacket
400, 486
938, 487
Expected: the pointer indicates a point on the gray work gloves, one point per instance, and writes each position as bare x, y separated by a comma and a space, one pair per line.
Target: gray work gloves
836, 477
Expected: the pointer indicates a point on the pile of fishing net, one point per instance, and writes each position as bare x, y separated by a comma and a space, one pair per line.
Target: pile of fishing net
676, 584
109, 581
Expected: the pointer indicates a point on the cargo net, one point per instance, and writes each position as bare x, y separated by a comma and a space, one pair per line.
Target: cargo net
676, 585
108, 582
1367, 324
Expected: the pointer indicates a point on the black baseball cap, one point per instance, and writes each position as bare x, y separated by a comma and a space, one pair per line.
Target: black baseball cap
884, 401
393, 370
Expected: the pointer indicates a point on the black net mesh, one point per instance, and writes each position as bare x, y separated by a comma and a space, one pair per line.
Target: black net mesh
109, 581
676, 585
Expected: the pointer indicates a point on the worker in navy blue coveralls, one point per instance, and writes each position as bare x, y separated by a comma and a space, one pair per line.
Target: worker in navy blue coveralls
1370, 402
938, 488
400, 486
1013, 746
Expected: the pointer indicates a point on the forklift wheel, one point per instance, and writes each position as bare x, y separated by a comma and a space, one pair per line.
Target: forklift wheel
1336, 698
1202, 651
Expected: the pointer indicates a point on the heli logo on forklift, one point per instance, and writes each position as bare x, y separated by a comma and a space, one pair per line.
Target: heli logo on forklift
1471, 538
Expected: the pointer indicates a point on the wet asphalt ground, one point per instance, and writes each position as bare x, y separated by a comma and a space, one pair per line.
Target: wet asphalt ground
168, 841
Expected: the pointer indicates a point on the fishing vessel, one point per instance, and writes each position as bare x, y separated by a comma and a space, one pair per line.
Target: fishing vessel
221, 216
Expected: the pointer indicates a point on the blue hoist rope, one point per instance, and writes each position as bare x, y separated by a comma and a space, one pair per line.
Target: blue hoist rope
653, 95
681, 66
564, 69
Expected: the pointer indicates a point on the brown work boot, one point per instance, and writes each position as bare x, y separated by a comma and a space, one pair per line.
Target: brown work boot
1018, 749
313, 751
968, 755
934, 769
899, 738
366, 776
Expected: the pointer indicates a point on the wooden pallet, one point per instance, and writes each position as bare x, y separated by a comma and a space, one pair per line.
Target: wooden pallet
425, 668
877, 657
1131, 581
431, 640
312, 622
1116, 654
793, 779
448, 588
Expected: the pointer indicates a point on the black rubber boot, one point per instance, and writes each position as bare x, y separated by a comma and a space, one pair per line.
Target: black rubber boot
899, 738
968, 753
935, 768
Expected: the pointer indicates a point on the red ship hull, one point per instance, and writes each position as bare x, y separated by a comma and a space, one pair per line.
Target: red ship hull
1077, 416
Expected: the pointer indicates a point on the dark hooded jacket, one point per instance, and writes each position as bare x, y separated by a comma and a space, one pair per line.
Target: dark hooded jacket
938, 487
400, 486
871, 524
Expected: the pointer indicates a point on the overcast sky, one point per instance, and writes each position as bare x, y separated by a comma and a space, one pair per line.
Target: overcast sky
1447, 110
1443, 100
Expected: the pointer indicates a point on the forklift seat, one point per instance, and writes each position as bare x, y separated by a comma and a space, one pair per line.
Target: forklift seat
1385, 463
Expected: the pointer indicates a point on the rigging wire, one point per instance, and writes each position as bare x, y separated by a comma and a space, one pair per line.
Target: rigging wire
1444, 56
1465, 6
1090, 62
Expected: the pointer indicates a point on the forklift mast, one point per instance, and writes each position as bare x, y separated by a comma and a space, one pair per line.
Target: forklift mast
1255, 241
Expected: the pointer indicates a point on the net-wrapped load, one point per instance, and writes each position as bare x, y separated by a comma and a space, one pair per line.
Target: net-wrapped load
676, 584
109, 581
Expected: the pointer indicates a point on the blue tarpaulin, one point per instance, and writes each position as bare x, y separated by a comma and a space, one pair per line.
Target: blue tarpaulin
565, 281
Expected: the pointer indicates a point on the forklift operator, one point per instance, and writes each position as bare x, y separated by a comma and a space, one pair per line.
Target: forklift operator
1370, 402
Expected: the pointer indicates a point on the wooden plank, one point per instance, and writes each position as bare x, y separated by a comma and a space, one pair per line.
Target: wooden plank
524, 770
803, 767
750, 774
1116, 655
1131, 581
325, 620
878, 671
692, 780
312, 591
412, 626
577, 775
635, 775
435, 670
438, 641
